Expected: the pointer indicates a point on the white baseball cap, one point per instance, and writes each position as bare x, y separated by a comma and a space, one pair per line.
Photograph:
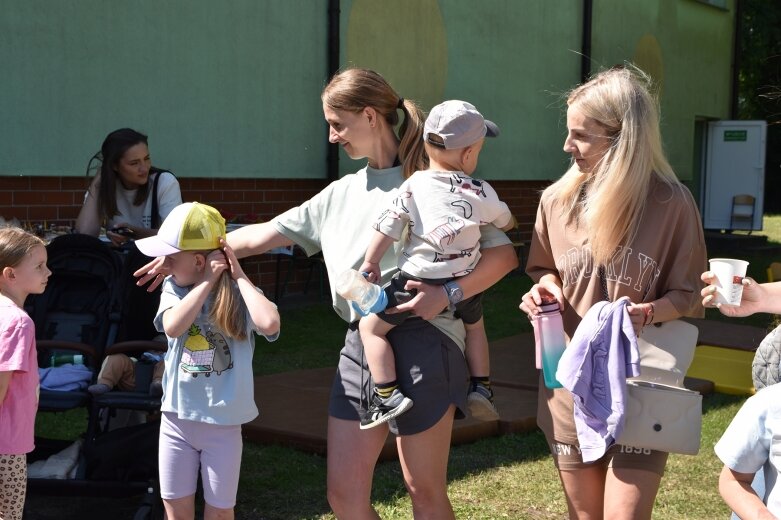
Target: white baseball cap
457, 124
189, 227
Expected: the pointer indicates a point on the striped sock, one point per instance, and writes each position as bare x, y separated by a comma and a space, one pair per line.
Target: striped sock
384, 390
482, 380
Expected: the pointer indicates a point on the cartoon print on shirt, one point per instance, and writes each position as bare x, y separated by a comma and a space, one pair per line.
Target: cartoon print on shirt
205, 354
439, 257
465, 206
399, 201
444, 234
386, 215
463, 183
222, 352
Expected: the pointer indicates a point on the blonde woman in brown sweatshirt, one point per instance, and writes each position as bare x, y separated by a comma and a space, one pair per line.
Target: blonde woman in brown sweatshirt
617, 222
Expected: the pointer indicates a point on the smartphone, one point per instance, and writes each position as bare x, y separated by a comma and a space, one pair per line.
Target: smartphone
124, 231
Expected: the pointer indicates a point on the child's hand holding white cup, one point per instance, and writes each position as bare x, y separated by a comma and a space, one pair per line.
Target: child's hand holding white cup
729, 285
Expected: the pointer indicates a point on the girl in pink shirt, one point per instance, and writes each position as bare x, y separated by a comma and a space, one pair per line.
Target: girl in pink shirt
23, 271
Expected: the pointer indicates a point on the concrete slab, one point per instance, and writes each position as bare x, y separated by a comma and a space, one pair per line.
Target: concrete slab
512, 362
297, 415
729, 335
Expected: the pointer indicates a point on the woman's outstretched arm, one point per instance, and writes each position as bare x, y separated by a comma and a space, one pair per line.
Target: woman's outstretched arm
256, 239
250, 240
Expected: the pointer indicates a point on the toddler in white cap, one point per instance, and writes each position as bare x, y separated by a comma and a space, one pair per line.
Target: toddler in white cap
442, 208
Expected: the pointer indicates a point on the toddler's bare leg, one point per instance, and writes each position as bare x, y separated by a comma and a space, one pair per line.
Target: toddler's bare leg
476, 350
379, 353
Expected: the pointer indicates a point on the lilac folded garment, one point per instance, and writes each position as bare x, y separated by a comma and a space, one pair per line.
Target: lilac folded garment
65, 378
603, 352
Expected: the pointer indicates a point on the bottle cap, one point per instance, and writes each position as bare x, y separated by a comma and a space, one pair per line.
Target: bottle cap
549, 307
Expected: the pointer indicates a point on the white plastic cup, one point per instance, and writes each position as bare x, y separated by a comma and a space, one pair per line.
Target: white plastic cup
730, 273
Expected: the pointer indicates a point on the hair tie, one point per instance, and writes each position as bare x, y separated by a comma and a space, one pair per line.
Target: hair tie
400, 104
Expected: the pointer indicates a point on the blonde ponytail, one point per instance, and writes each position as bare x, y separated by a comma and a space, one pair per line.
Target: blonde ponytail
228, 311
354, 89
412, 153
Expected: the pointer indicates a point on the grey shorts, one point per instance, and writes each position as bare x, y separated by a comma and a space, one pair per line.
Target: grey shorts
430, 368
568, 457
469, 310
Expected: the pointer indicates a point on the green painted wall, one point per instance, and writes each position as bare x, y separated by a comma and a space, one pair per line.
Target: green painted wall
511, 58
514, 59
686, 46
227, 88
231, 88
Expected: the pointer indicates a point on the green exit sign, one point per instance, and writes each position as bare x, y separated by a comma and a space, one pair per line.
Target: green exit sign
735, 135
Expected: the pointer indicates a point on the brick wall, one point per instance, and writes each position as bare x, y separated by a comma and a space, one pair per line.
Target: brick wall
56, 200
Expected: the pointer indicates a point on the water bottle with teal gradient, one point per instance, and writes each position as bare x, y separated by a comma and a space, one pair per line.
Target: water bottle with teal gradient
549, 330
352, 285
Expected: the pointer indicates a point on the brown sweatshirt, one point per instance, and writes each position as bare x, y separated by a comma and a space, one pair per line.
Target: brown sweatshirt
664, 260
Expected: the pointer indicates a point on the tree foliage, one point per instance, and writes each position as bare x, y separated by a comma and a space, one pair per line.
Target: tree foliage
759, 78
760, 60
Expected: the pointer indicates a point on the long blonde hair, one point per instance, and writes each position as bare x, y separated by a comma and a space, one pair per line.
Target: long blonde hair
228, 310
610, 200
354, 89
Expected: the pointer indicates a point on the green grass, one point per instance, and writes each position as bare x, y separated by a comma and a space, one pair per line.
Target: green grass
502, 477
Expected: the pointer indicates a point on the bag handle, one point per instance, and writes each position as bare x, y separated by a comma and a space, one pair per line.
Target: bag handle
603, 282
155, 217
603, 285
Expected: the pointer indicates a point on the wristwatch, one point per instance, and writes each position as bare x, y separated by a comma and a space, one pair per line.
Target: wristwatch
454, 293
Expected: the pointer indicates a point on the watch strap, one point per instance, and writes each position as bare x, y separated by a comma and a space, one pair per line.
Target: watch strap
454, 293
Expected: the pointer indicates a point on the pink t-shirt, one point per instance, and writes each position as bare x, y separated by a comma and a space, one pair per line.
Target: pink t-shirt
18, 355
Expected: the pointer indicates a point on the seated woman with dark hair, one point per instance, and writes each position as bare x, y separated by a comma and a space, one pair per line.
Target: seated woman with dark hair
120, 194
130, 198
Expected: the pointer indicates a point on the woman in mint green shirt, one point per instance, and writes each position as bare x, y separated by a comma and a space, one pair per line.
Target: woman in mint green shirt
362, 111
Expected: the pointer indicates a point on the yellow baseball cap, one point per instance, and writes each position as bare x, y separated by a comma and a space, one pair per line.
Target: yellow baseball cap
189, 227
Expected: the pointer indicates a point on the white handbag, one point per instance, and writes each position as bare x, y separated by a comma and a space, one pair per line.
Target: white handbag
660, 413
666, 352
660, 417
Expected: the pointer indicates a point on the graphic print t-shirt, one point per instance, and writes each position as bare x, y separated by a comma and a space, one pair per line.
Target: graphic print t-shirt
208, 376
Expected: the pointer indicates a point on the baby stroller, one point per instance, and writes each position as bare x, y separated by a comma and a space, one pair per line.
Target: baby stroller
78, 313
78, 317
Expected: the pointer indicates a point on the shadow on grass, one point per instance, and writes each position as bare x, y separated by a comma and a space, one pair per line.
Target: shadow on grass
466, 461
496, 452
282, 483
717, 401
